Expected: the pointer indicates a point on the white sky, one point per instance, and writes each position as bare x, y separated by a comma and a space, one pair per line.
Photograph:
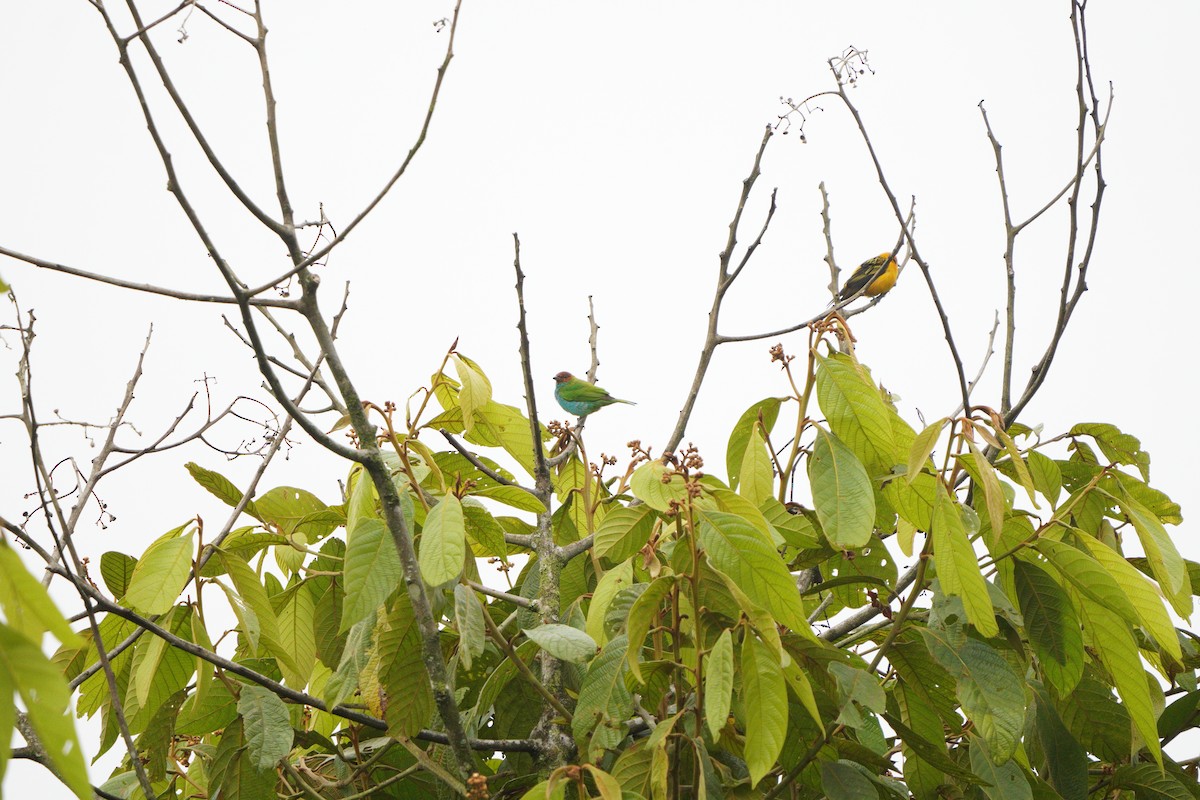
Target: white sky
614, 138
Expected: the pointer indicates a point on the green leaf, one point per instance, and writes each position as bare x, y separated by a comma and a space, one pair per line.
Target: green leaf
657, 486
1147, 782
296, 610
1165, 562
1051, 624
116, 569
856, 412
150, 650
841, 491
443, 545
764, 697
841, 780
737, 549
483, 529
991, 694
740, 436
1142, 594
1066, 760
756, 481
160, 575
286, 507
398, 651
957, 566
1085, 574
27, 605
267, 728
606, 589
1120, 448
468, 615
563, 642
1047, 477
608, 786
857, 686
476, 389
1007, 780
220, 486
604, 702
254, 597
993, 493
47, 701
922, 446
513, 496
641, 614
718, 683
1111, 638
372, 571
623, 532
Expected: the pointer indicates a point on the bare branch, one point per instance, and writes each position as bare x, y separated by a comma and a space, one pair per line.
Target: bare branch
321, 253
140, 287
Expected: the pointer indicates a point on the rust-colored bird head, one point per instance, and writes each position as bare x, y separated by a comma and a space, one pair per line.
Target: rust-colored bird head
563, 377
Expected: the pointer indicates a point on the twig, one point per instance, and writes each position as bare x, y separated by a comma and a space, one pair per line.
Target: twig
140, 287
725, 279
912, 244
338, 239
550, 732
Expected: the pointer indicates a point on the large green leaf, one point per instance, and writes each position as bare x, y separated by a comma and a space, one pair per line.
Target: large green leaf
468, 616
475, 389
160, 575
604, 702
372, 571
857, 413
1117, 447
737, 549
27, 606
286, 507
443, 545
1085, 574
957, 565
841, 780
1142, 594
841, 491
756, 481
563, 642
220, 486
265, 722
399, 654
641, 614
1005, 781
1113, 641
1165, 562
116, 569
1066, 760
623, 532
735, 451
296, 610
25, 670
606, 589
991, 694
1051, 624
764, 698
657, 486
718, 683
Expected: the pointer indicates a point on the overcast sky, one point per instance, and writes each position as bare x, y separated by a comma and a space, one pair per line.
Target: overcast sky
614, 138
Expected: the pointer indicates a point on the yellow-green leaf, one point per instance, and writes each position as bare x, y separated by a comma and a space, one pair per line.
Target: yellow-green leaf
718, 683
160, 575
443, 545
957, 566
841, 492
764, 697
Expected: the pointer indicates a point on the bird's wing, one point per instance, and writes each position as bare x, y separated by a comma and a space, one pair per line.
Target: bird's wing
863, 276
581, 391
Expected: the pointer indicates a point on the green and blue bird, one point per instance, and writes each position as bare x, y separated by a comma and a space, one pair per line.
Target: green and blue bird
581, 398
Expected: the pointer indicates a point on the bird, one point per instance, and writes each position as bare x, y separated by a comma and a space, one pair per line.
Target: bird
578, 397
877, 275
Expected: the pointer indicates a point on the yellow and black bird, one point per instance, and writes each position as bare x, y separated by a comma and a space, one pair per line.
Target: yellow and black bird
877, 275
